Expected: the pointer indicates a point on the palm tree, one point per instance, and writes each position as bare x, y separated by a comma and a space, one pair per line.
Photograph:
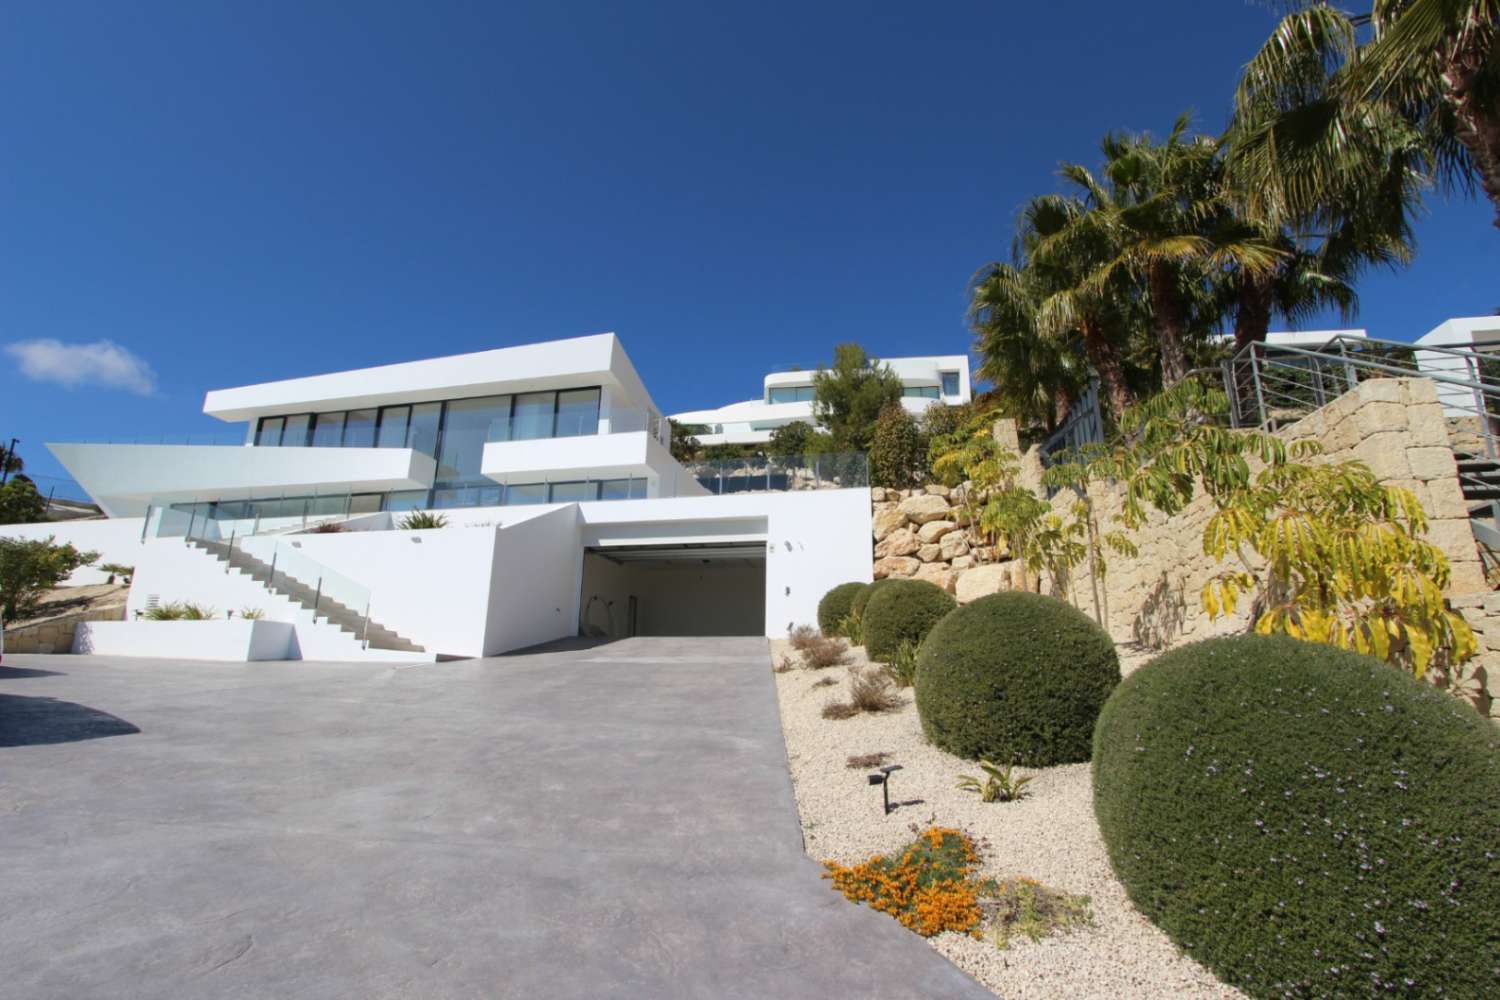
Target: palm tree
1159, 211
1075, 304
1318, 114
1331, 184
1035, 377
1439, 61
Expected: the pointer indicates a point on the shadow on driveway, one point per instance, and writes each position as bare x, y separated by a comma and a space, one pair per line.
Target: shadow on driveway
16, 673
26, 721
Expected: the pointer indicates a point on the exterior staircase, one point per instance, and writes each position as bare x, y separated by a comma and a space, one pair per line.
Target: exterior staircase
1479, 481
323, 607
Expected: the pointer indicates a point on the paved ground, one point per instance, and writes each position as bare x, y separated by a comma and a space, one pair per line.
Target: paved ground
606, 822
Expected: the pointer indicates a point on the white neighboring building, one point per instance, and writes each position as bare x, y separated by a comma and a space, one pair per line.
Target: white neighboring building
1468, 333
787, 397
565, 514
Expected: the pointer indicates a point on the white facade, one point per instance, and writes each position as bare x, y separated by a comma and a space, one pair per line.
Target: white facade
786, 397
565, 513
1464, 334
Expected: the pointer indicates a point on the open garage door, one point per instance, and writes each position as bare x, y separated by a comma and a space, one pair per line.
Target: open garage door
674, 590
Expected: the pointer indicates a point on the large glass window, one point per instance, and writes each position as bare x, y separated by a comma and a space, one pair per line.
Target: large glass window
467, 496
525, 493
466, 427
574, 492
328, 430
425, 420
622, 489
533, 416
406, 500
950, 383
577, 412
295, 435
793, 393
268, 434
920, 391
393, 421
359, 429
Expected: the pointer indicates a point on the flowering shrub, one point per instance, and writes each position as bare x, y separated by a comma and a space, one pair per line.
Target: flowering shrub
928, 885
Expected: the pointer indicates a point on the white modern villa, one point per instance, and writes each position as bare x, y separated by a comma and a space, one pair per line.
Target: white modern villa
565, 514
787, 397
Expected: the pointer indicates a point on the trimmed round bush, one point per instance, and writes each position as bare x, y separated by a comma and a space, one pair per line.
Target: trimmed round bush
1015, 678
902, 611
863, 597
1306, 821
835, 605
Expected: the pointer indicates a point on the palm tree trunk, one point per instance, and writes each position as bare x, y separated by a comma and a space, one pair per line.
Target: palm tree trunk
1476, 123
1167, 322
1252, 313
1105, 356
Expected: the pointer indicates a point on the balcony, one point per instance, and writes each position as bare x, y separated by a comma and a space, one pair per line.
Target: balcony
622, 444
126, 478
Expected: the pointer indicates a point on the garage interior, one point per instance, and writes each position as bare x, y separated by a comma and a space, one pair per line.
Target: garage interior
674, 590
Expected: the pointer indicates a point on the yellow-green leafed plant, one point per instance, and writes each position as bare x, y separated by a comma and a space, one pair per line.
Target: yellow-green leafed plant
1001, 784
1344, 563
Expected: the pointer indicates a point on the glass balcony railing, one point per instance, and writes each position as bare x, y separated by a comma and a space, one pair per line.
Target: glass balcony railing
547, 425
843, 470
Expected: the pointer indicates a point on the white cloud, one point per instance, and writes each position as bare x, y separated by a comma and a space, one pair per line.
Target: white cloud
102, 363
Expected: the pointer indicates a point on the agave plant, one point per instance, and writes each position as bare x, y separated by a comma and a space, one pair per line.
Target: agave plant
419, 520
1000, 784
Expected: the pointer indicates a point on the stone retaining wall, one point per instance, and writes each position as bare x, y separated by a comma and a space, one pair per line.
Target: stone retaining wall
55, 635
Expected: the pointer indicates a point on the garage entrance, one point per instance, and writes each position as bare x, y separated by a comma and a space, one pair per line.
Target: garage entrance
674, 590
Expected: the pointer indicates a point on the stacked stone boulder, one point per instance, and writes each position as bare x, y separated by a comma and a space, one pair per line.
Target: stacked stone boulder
924, 534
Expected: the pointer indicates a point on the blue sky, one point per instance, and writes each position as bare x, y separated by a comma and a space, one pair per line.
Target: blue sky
233, 193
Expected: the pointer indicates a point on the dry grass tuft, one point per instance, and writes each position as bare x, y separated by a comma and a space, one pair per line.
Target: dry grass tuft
785, 666
870, 691
839, 710
823, 652
802, 637
864, 761
824, 682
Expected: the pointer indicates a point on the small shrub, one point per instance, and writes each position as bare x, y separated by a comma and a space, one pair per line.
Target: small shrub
999, 785
928, 885
1304, 820
334, 527
784, 666
903, 611
902, 670
252, 614
802, 636
839, 710
834, 607
898, 453
823, 682
29, 568
1016, 678
865, 761
823, 652
1024, 907
421, 520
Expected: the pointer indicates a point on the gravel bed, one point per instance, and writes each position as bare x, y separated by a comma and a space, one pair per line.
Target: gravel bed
1050, 835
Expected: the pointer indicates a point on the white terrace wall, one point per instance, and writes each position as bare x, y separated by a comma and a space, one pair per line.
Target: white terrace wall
1395, 426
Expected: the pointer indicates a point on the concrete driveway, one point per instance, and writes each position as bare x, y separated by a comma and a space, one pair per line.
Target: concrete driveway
614, 821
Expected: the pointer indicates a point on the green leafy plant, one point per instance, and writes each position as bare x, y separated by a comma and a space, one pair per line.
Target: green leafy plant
29, 568
1323, 551
330, 528
902, 611
929, 885
421, 520
902, 668
20, 503
1024, 907
852, 627
849, 395
897, 451
999, 784
1017, 678
1305, 820
252, 614
117, 569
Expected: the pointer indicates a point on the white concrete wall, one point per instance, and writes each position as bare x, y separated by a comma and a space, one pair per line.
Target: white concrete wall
220, 641
534, 581
117, 540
